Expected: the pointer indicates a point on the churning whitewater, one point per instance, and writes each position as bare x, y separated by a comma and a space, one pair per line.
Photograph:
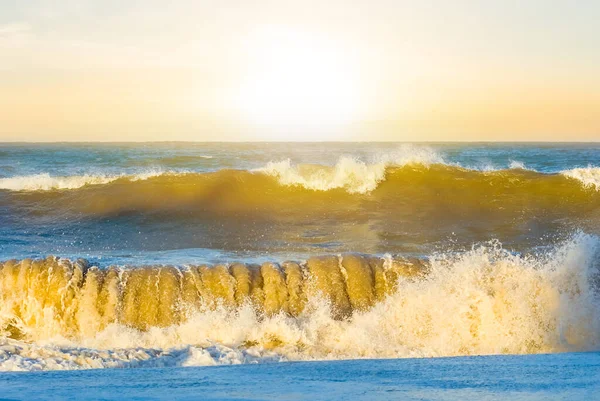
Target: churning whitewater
61, 314
204, 254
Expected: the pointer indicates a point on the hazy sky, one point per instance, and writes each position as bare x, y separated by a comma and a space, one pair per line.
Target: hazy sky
299, 70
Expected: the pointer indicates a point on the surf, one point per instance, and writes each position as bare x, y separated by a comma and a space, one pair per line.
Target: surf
410, 187
484, 301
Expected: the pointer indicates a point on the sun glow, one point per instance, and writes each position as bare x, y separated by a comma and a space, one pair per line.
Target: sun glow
297, 79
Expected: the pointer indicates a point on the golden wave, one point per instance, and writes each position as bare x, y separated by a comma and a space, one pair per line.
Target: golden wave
78, 298
403, 189
483, 301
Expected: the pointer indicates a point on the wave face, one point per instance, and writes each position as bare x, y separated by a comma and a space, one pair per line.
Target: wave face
280, 182
484, 301
350, 207
349, 173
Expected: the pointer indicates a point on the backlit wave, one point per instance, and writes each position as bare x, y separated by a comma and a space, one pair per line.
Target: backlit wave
58, 314
349, 174
408, 190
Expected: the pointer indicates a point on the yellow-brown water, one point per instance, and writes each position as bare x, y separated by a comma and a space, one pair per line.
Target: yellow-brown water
438, 188
483, 301
404, 209
77, 298
428, 251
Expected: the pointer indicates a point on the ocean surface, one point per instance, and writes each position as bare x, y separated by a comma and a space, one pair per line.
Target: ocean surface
164, 255
569, 377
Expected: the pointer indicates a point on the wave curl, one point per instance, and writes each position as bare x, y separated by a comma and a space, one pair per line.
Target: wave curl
484, 301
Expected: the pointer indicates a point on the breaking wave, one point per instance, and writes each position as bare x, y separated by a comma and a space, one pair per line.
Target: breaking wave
58, 314
45, 182
350, 174
588, 176
291, 191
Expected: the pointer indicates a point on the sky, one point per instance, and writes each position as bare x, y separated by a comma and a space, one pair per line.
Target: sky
228, 70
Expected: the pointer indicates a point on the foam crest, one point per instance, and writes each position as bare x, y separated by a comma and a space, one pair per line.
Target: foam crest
46, 182
349, 173
58, 314
517, 165
588, 176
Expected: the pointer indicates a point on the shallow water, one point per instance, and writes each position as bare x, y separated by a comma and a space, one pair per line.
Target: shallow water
533, 377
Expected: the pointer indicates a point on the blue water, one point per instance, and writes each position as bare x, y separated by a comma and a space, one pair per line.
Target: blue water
507, 235
65, 159
532, 377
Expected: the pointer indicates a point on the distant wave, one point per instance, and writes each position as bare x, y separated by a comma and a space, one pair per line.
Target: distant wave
293, 192
58, 314
46, 182
356, 176
349, 173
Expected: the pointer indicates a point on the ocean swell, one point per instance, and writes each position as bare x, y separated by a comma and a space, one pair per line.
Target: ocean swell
350, 174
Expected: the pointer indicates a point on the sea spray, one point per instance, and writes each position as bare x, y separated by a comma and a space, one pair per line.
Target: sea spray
588, 176
46, 182
483, 301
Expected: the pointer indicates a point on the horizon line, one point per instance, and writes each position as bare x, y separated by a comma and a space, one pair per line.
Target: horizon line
301, 142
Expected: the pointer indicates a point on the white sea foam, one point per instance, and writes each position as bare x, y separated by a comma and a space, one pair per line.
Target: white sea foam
23, 356
349, 173
517, 165
588, 176
485, 301
46, 182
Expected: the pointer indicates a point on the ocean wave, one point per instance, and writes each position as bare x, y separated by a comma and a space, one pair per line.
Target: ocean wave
588, 176
445, 193
350, 173
353, 175
46, 182
57, 314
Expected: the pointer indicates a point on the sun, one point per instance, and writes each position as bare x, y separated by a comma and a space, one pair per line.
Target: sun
298, 79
